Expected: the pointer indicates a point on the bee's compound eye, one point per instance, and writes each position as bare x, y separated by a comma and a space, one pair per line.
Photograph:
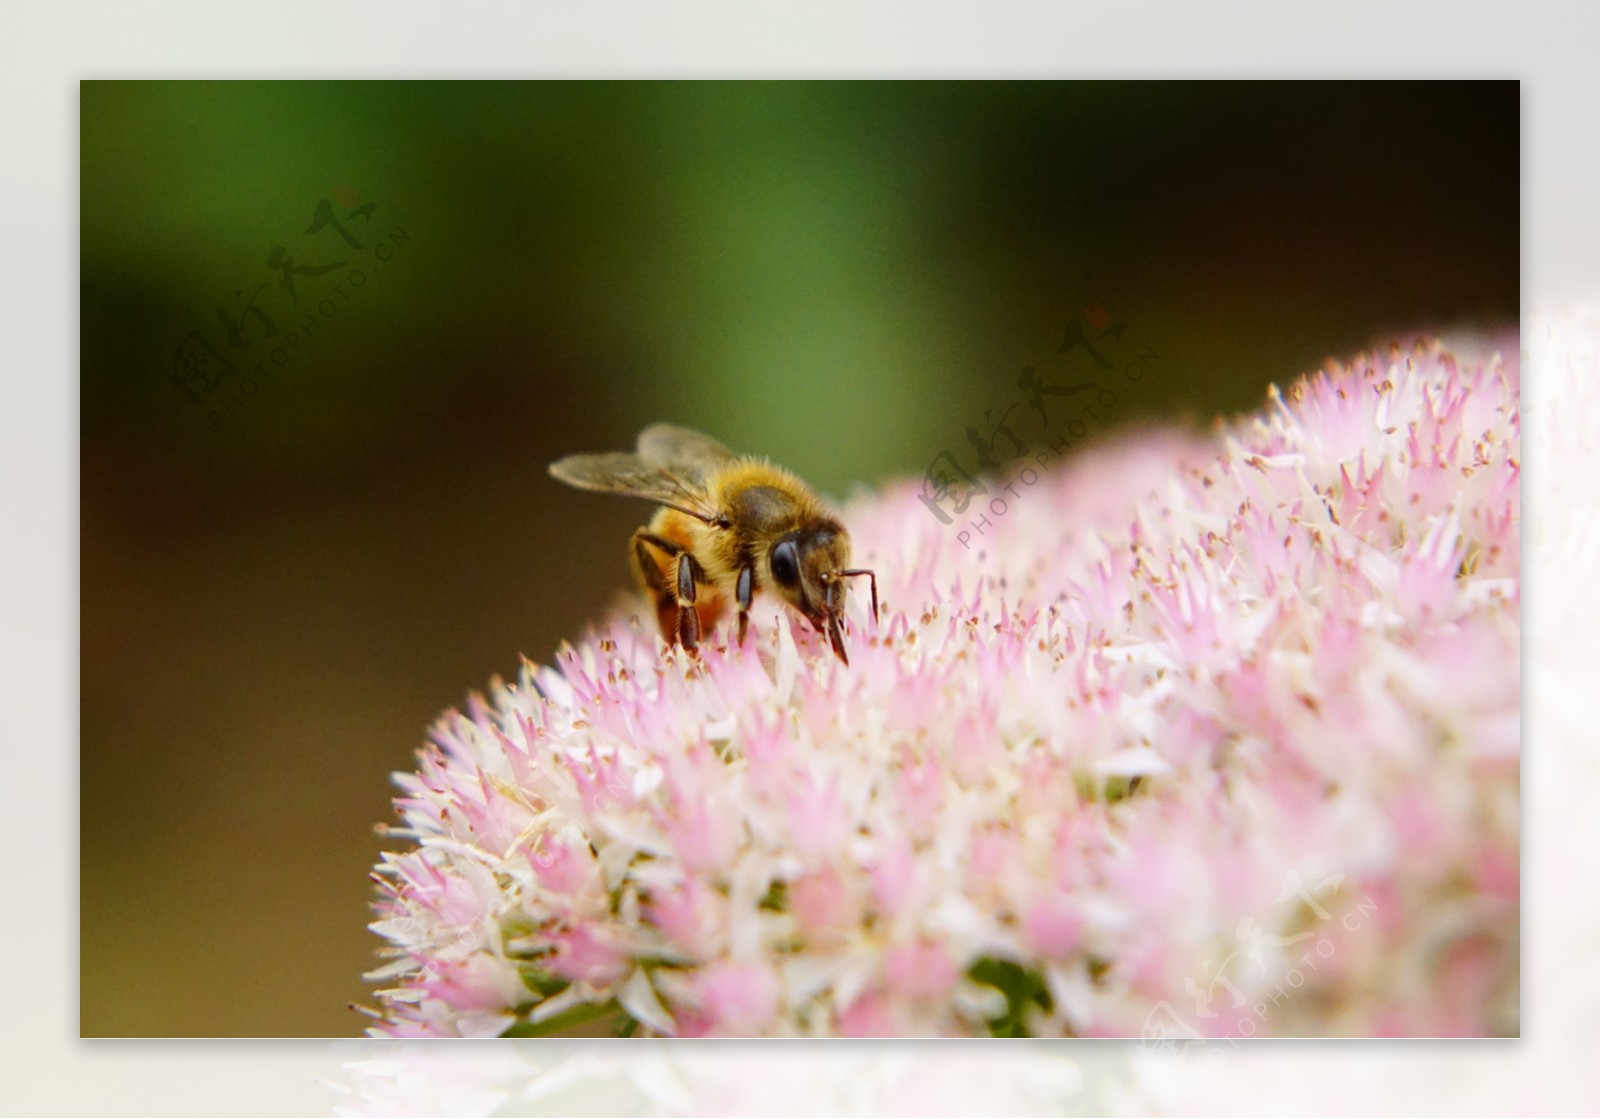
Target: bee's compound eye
786, 563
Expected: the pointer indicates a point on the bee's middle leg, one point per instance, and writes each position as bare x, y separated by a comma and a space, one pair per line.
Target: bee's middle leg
743, 591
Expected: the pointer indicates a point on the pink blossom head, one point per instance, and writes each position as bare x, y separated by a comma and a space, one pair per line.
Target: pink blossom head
1202, 737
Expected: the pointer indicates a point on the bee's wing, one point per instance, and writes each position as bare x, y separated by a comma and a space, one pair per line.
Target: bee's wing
629, 475
682, 452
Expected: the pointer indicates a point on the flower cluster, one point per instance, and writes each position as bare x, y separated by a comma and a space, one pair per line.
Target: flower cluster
1206, 737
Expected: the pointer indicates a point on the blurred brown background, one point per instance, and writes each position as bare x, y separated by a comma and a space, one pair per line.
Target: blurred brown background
279, 596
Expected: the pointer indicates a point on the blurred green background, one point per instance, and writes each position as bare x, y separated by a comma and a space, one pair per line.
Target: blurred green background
288, 571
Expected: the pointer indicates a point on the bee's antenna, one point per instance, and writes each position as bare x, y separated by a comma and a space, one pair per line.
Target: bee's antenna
872, 575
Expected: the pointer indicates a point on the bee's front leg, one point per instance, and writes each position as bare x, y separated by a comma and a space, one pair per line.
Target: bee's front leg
743, 592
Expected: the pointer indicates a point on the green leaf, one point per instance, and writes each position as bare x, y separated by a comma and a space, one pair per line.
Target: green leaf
1022, 988
567, 1019
1110, 789
541, 982
777, 896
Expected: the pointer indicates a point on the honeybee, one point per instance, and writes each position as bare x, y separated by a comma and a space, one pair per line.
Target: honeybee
727, 527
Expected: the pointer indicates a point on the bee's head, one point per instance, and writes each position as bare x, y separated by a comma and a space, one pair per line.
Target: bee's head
805, 567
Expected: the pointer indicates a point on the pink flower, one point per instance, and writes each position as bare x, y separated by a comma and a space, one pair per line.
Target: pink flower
1053, 928
1200, 737
825, 906
692, 916
473, 982
581, 956
920, 972
739, 999
868, 1016
565, 869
